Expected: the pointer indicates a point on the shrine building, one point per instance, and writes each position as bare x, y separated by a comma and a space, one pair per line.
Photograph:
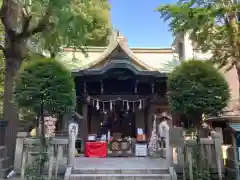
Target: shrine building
120, 86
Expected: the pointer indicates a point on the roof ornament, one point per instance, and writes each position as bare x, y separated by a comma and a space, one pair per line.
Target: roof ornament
118, 33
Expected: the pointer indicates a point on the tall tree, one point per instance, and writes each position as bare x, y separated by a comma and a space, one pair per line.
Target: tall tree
59, 23
213, 26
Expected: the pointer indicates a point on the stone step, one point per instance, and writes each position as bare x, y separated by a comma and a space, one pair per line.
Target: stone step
120, 171
4, 172
5, 162
120, 177
2, 152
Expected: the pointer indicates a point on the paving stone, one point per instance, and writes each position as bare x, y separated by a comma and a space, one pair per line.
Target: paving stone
108, 171
5, 163
157, 171
134, 171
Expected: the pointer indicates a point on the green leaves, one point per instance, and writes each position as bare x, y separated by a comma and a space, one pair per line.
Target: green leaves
212, 25
53, 24
75, 23
45, 81
196, 87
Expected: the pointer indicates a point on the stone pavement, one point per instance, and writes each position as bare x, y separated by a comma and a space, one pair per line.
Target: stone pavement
120, 163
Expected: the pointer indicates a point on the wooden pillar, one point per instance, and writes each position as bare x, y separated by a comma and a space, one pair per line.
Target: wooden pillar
84, 125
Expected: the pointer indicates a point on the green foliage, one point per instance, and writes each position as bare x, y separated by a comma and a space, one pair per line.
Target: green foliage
212, 24
45, 81
53, 24
196, 87
200, 164
2, 69
33, 170
74, 24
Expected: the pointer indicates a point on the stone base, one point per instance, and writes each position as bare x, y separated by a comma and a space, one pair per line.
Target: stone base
120, 177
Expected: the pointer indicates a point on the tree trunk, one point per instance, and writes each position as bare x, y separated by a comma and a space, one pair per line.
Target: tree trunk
15, 49
10, 111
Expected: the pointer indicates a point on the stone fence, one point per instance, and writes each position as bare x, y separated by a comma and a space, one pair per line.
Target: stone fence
61, 153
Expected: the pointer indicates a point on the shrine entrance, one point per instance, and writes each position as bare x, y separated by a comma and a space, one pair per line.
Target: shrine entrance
117, 95
116, 103
122, 121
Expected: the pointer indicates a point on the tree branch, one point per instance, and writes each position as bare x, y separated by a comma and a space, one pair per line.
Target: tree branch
26, 20
2, 49
3, 14
42, 25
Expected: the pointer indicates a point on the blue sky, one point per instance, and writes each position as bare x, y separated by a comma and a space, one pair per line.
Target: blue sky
138, 22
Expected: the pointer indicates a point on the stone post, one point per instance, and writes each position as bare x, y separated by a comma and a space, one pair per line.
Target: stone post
73, 131
19, 150
168, 148
217, 144
235, 156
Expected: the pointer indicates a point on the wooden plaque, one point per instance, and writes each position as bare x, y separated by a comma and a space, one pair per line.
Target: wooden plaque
176, 137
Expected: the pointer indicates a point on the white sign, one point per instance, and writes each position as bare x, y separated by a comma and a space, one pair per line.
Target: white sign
73, 129
141, 150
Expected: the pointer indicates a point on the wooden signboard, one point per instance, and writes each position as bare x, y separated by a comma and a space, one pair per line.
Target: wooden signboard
176, 137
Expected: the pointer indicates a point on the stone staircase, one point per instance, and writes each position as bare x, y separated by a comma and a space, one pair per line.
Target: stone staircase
117, 174
5, 163
124, 168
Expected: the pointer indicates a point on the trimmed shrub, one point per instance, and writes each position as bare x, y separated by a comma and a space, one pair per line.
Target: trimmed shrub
196, 87
47, 82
